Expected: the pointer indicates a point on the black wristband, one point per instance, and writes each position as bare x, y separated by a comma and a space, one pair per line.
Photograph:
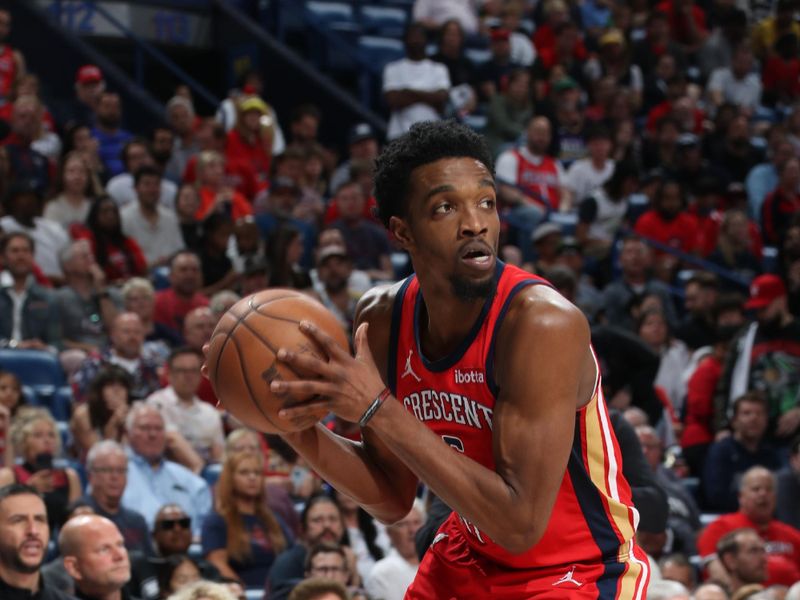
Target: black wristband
373, 408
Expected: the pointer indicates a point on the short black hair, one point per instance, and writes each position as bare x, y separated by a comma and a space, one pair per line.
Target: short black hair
182, 350
6, 238
324, 548
306, 110
424, 143
17, 489
135, 141
145, 171
313, 500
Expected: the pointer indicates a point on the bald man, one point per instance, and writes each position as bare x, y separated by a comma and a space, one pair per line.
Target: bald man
95, 557
127, 350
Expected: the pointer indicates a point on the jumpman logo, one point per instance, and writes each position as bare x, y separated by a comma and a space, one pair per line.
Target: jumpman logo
409, 370
568, 578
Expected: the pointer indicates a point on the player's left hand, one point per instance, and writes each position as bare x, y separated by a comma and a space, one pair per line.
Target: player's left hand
345, 385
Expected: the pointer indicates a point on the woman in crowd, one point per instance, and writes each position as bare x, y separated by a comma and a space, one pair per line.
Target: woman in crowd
119, 255
138, 296
215, 194
242, 537
218, 271
175, 573
285, 249
75, 192
79, 138
734, 248
10, 398
37, 442
102, 416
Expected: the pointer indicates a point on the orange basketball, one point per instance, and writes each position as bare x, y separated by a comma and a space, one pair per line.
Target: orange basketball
241, 357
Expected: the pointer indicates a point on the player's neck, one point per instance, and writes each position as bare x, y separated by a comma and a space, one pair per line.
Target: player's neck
445, 321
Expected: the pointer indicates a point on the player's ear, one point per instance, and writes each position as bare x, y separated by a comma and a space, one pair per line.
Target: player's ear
401, 231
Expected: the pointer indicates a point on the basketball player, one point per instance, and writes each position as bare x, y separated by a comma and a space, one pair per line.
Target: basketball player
478, 379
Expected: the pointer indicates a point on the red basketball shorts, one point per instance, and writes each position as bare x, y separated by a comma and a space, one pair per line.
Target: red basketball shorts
451, 570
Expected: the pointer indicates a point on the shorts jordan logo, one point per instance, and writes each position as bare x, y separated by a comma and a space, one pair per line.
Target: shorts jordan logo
409, 370
568, 578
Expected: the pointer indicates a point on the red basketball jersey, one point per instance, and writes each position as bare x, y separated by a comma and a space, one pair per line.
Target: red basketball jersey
593, 517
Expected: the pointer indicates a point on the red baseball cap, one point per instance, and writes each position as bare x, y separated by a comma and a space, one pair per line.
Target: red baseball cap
763, 290
89, 74
500, 35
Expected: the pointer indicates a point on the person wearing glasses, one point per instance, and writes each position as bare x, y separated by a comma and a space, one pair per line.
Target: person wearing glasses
327, 560
243, 536
107, 467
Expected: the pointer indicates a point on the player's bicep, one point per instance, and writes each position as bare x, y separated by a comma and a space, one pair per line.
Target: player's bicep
541, 372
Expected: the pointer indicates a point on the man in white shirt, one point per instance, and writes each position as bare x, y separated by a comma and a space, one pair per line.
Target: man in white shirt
415, 88
199, 422
586, 175
135, 155
391, 576
23, 207
155, 228
737, 83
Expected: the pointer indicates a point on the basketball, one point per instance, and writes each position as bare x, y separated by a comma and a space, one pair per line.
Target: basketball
242, 358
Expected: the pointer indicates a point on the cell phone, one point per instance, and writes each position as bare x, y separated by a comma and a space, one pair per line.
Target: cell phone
43, 462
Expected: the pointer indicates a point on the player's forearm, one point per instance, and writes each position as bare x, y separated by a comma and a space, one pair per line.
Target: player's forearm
493, 505
351, 469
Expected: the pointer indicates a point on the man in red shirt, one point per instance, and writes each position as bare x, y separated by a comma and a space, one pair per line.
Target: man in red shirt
756, 511
186, 279
250, 141
687, 22
744, 556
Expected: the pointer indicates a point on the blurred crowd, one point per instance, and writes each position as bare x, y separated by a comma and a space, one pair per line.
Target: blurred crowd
648, 165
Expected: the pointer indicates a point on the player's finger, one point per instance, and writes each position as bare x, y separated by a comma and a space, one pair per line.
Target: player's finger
306, 362
311, 408
362, 343
332, 349
302, 388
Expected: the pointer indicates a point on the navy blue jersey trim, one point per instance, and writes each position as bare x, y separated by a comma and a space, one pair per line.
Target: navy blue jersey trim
592, 507
489, 367
394, 334
446, 362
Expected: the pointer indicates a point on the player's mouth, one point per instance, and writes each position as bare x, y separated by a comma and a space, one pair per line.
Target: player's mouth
477, 255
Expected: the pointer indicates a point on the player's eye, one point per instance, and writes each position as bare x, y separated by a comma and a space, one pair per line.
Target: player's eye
442, 208
487, 203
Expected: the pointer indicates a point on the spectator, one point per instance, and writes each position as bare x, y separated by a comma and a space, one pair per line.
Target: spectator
215, 194
366, 242
509, 112
109, 132
248, 143
24, 533
729, 32
138, 296
126, 349
86, 306
10, 399
760, 358
683, 519
181, 118
102, 416
243, 536
319, 589
710, 591
94, 555
736, 84
530, 181
391, 576
415, 88
304, 127
176, 573
676, 567
697, 328
698, 417
118, 255
781, 203
107, 466
432, 14
334, 269
197, 421
731, 456
662, 589
763, 178
602, 214
162, 140
656, 44
183, 294
766, 32
122, 188
79, 138
13, 61
687, 23
187, 203
736, 250
218, 271
450, 53
37, 442
155, 481
670, 225
321, 521
80, 110
674, 359
756, 511
23, 208
614, 61
635, 261
154, 227
204, 590
28, 313
586, 175
327, 560
787, 507
734, 152
75, 191
24, 161
198, 326
252, 84
781, 71
367, 539
491, 77
362, 144
744, 557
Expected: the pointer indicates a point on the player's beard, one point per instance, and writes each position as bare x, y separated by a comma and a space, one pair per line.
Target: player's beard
467, 290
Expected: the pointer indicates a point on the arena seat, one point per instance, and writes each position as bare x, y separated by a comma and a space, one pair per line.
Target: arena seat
384, 20
378, 51
326, 13
477, 56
